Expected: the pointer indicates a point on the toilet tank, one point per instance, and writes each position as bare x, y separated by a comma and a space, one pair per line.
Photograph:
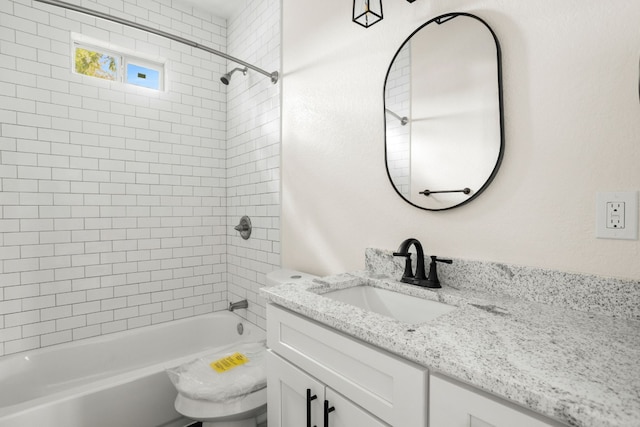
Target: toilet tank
278, 277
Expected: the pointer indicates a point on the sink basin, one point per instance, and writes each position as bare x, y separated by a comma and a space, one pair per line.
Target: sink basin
405, 308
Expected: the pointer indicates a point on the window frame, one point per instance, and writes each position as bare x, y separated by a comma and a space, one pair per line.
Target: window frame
123, 59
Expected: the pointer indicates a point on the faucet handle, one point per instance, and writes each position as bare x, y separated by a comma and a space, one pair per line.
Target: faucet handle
408, 270
432, 280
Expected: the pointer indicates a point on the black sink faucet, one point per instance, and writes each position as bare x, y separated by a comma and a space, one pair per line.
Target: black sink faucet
420, 277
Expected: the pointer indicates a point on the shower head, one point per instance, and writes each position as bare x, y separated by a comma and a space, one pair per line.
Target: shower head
227, 77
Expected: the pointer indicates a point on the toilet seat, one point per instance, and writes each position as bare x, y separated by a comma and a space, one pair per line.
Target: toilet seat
247, 406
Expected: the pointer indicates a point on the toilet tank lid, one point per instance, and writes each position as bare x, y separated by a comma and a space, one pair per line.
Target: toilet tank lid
278, 277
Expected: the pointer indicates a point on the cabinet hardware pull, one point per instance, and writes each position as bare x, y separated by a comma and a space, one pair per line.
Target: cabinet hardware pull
309, 399
327, 411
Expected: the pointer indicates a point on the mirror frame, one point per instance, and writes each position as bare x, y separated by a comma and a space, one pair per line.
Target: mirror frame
441, 20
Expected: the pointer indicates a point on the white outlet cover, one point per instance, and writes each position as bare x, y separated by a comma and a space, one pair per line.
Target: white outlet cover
630, 230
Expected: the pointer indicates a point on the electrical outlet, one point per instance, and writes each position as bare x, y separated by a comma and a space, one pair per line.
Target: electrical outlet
617, 215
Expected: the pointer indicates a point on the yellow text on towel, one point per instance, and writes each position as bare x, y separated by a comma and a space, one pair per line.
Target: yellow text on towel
229, 362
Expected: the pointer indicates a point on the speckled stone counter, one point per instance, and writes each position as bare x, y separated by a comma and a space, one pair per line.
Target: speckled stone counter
581, 368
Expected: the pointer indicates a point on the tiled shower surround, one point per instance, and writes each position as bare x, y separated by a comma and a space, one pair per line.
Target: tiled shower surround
118, 203
253, 154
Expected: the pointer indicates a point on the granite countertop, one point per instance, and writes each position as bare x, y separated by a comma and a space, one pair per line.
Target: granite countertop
580, 368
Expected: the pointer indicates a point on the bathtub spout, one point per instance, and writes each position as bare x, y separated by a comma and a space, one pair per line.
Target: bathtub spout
240, 304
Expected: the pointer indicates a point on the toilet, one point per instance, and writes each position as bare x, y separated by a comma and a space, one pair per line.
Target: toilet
249, 410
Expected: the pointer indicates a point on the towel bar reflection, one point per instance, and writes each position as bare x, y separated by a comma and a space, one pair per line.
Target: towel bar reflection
429, 192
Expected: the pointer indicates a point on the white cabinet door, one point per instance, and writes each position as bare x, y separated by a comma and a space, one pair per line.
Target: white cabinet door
452, 404
291, 393
347, 414
295, 399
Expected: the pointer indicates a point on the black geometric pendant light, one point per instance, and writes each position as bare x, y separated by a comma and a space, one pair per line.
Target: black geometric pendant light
367, 12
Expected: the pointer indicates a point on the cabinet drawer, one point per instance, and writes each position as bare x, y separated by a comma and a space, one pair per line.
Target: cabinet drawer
453, 404
389, 387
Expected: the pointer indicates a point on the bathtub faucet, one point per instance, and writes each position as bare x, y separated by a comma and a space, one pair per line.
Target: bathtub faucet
240, 304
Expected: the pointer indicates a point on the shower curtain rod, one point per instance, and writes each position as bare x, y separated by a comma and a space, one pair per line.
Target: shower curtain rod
65, 5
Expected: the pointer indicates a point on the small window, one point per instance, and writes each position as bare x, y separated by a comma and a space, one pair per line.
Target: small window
96, 63
145, 76
103, 64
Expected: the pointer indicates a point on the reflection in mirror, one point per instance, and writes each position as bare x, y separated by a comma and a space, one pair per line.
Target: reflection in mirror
443, 112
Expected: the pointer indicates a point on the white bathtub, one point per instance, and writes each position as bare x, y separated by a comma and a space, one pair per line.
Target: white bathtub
115, 380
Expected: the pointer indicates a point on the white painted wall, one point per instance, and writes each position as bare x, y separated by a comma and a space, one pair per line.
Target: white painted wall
572, 129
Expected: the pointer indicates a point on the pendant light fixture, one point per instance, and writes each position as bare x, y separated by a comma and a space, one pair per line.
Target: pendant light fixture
367, 12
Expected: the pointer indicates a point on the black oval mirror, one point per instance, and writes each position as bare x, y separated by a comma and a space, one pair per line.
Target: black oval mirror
444, 138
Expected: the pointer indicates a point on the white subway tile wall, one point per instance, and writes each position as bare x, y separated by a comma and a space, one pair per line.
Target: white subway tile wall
114, 198
253, 154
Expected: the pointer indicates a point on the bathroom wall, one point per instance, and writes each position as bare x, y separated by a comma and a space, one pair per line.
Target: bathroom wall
113, 200
253, 154
571, 123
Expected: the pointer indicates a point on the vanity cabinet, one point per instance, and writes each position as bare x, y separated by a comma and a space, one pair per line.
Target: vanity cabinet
310, 365
365, 386
453, 404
